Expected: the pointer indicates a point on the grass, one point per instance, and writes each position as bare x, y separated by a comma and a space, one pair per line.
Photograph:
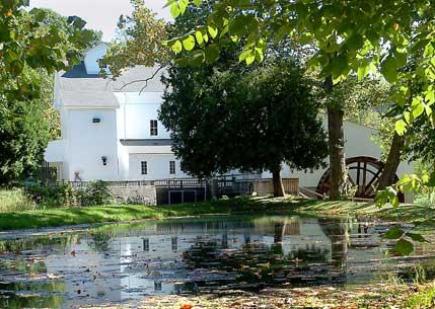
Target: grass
424, 298
422, 216
128, 213
14, 200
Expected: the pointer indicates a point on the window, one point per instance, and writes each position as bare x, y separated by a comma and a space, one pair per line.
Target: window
153, 128
144, 167
172, 167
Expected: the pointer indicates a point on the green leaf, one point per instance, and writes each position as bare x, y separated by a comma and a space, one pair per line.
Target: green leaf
175, 10
389, 69
363, 71
417, 108
189, 43
250, 59
416, 237
177, 47
400, 127
183, 6
199, 37
404, 247
197, 2
212, 53
213, 31
394, 233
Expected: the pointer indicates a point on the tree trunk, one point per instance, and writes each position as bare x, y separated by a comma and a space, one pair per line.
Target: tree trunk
389, 173
337, 160
278, 186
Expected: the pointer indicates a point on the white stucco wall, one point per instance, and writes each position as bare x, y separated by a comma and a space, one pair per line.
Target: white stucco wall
358, 142
158, 166
135, 114
88, 142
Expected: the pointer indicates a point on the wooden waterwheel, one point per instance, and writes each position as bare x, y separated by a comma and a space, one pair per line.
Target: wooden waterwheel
363, 175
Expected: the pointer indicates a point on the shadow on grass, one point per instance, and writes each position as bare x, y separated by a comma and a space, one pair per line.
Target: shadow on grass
237, 206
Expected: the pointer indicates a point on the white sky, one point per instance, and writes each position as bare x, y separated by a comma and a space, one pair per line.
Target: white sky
100, 15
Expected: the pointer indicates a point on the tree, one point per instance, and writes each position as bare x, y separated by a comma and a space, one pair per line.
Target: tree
350, 37
141, 43
25, 129
33, 44
225, 118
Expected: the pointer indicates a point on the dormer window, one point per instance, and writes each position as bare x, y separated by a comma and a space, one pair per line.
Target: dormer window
154, 128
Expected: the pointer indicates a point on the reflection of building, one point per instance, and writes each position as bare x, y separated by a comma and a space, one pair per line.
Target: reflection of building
153, 258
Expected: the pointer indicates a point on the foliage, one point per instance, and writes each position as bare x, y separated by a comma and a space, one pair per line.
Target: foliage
350, 38
96, 193
15, 199
141, 43
33, 44
63, 195
425, 298
358, 37
403, 245
365, 101
269, 115
25, 129
422, 144
38, 38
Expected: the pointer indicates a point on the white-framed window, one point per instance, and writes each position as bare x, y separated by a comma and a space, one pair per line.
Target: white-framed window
154, 131
172, 169
144, 167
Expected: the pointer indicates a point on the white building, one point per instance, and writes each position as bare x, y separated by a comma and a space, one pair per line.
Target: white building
110, 130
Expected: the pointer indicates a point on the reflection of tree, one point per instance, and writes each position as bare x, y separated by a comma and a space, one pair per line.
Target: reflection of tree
100, 242
256, 264
338, 233
17, 245
52, 288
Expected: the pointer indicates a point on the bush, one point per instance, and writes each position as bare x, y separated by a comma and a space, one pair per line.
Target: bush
53, 196
64, 195
96, 193
15, 199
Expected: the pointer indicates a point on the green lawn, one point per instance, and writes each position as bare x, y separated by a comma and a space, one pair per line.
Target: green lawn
257, 206
124, 213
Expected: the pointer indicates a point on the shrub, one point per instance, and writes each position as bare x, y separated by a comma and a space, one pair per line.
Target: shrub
53, 196
96, 193
64, 195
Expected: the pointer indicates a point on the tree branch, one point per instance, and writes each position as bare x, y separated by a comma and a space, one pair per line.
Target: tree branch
146, 80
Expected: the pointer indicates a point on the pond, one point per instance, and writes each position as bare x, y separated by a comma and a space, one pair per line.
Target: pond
125, 263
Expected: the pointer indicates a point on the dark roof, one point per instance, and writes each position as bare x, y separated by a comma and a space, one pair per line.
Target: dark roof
146, 142
79, 71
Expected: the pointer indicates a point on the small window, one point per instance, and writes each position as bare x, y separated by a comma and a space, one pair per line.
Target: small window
172, 167
144, 167
153, 128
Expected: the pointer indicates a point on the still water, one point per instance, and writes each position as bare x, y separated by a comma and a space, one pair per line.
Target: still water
124, 263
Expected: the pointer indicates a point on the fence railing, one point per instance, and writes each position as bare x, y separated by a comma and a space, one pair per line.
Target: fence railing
163, 191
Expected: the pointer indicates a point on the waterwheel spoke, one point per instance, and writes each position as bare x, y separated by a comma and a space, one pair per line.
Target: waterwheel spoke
366, 178
374, 180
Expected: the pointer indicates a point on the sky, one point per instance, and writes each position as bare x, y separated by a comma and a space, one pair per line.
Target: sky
100, 15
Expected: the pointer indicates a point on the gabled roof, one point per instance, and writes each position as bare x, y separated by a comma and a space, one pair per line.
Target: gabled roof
78, 88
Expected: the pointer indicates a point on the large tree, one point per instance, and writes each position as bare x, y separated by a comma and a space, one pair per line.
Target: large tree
33, 45
226, 117
349, 36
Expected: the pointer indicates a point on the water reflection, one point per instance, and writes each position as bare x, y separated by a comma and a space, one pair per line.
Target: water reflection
124, 263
